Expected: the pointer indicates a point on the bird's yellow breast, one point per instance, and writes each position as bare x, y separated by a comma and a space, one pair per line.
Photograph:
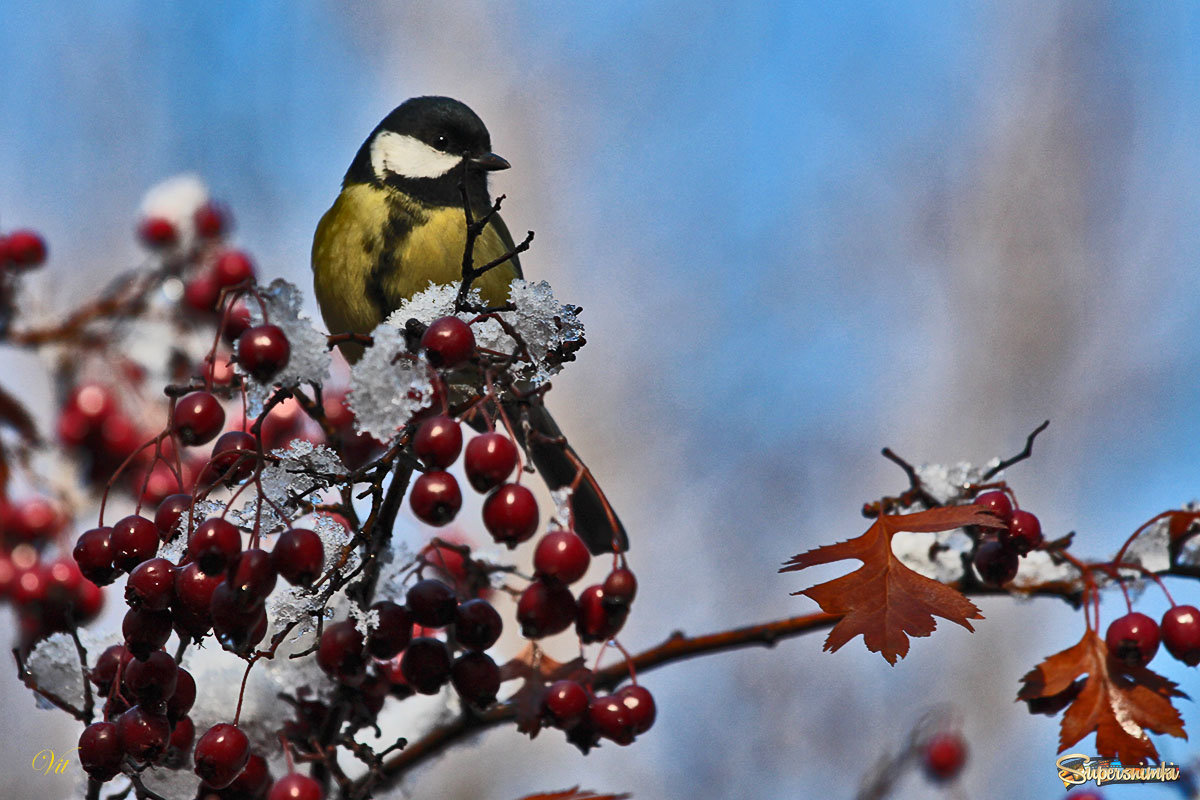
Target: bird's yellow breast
375, 248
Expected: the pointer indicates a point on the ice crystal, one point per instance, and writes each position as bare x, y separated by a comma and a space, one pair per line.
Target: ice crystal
934, 555
54, 664
309, 359
388, 386
365, 619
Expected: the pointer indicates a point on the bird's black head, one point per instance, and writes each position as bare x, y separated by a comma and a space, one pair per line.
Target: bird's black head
420, 149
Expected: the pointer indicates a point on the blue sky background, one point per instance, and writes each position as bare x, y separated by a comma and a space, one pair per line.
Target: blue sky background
799, 232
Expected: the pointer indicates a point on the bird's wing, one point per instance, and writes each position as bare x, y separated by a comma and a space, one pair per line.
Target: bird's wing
507, 239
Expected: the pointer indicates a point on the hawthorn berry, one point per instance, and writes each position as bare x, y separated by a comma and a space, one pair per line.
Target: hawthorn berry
157, 233
298, 556
510, 514
221, 753
431, 603
145, 630
237, 626
108, 664
143, 734
100, 751
211, 220
1024, 532
34, 520
435, 498
199, 417
263, 351
232, 267
545, 608
253, 781
251, 576
995, 563
94, 555
565, 703
597, 620
640, 704
438, 441
183, 733
996, 502
489, 459
611, 719
393, 632
201, 292
235, 323
944, 755
561, 555
1181, 633
234, 450
620, 587
341, 653
181, 700
425, 665
26, 249
477, 624
194, 589
151, 584
448, 342
1132, 639
296, 787
169, 512
476, 678
214, 544
134, 539
151, 681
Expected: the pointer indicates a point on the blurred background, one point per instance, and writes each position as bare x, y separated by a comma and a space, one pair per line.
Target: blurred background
799, 233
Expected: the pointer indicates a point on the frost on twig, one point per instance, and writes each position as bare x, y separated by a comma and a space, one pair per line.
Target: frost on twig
388, 385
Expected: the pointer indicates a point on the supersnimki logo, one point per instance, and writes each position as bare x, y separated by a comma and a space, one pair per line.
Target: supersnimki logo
1076, 768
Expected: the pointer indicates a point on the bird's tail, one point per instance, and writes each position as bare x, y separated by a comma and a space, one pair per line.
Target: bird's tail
595, 520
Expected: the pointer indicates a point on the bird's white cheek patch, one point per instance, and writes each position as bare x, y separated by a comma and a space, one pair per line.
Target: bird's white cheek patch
410, 157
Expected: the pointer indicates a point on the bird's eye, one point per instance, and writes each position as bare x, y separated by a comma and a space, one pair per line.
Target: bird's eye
440, 141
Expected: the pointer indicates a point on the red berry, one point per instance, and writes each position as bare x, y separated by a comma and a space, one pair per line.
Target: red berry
611, 719
221, 753
562, 555
341, 653
211, 220
214, 544
108, 664
597, 620
640, 704
394, 630
201, 293
199, 417
194, 589
545, 608
157, 233
151, 681
944, 756
477, 624
489, 460
263, 351
145, 631
620, 587
996, 502
151, 584
169, 512
134, 539
237, 322
143, 734
183, 733
435, 498
438, 442
184, 696
296, 787
26, 249
1132, 639
298, 556
89, 601
93, 553
1024, 533
232, 267
510, 514
252, 577
1181, 633
237, 629
448, 342
566, 703
425, 665
100, 751
995, 563
34, 520
476, 678
431, 603
253, 781
233, 458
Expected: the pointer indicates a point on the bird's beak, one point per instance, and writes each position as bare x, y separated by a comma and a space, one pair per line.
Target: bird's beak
490, 162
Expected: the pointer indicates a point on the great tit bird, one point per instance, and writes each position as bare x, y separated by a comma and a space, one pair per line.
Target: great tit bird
398, 225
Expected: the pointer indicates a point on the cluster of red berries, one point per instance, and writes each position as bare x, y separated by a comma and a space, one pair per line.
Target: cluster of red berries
210, 221
49, 595
22, 250
585, 717
997, 557
1134, 638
